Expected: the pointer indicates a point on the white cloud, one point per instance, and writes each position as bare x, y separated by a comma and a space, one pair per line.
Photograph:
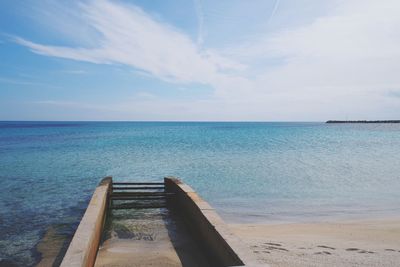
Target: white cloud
131, 37
340, 64
350, 55
357, 45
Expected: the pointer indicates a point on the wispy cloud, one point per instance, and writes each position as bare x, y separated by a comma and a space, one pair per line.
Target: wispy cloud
200, 21
24, 82
274, 9
131, 37
77, 72
71, 104
393, 93
353, 50
340, 62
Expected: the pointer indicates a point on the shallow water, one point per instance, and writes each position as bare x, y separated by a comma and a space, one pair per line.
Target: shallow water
150, 237
249, 171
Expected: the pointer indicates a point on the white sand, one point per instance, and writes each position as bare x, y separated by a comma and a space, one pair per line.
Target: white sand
350, 243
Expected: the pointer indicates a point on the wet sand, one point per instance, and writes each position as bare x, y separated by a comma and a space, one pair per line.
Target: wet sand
344, 243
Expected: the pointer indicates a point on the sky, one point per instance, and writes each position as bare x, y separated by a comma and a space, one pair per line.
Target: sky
182, 60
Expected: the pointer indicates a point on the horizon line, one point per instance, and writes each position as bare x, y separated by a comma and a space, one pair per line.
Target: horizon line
158, 121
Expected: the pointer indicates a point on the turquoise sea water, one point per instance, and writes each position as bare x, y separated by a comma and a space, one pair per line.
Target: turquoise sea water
251, 172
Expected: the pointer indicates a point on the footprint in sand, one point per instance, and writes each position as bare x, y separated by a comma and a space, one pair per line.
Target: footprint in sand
326, 247
352, 249
276, 248
366, 251
360, 250
323, 253
263, 251
273, 244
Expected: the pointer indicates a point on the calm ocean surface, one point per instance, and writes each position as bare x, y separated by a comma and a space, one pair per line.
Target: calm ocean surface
251, 172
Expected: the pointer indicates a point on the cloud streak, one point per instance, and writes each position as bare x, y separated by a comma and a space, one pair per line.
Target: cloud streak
131, 37
341, 63
274, 9
24, 82
200, 21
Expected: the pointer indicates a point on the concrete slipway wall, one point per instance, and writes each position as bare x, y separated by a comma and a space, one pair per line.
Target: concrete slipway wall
208, 228
84, 246
203, 222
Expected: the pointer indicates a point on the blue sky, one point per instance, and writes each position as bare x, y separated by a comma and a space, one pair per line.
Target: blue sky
271, 60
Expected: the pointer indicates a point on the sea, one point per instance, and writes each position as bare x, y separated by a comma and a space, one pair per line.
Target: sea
251, 172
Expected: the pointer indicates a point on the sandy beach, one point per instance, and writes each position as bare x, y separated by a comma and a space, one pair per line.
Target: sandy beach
344, 243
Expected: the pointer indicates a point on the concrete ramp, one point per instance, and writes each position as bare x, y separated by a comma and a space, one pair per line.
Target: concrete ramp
153, 224
148, 237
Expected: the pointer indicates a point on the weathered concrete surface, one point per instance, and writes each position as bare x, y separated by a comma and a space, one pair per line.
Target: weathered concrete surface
50, 247
151, 237
138, 253
133, 246
222, 245
83, 248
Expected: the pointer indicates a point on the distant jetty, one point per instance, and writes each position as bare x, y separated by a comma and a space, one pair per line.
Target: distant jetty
384, 121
